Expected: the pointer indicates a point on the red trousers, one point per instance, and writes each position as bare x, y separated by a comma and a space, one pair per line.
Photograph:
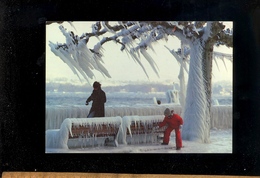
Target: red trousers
178, 139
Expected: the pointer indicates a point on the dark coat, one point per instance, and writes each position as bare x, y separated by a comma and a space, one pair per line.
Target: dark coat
98, 105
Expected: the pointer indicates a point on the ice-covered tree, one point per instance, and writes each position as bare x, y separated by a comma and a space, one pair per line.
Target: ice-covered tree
135, 38
182, 57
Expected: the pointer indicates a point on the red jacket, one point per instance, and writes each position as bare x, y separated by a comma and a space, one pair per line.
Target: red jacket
173, 121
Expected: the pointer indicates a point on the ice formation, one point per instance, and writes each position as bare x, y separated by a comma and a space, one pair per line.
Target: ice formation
56, 114
131, 130
58, 138
172, 96
144, 126
221, 115
195, 117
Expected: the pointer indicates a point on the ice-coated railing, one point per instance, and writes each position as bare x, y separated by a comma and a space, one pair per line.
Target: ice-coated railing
59, 138
55, 115
221, 117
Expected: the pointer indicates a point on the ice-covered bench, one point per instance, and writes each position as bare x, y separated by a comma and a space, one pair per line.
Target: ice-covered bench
139, 129
84, 132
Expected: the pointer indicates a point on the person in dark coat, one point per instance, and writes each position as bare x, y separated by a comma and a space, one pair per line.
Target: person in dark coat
98, 98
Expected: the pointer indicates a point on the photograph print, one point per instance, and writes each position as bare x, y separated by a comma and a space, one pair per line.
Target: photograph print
139, 87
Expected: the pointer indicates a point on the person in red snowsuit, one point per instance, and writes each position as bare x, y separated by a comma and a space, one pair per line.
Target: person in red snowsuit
174, 121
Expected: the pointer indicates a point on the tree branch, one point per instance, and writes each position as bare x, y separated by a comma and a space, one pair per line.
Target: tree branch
216, 28
50, 22
225, 39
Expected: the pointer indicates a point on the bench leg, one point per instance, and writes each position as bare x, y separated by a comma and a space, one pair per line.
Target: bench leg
108, 142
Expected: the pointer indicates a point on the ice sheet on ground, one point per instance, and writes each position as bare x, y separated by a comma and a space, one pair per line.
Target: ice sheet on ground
221, 142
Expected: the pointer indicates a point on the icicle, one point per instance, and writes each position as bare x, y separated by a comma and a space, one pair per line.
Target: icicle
224, 63
70, 22
216, 63
195, 29
102, 69
138, 61
150, 60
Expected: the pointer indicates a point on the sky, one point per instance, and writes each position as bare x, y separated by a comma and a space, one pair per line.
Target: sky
121, 67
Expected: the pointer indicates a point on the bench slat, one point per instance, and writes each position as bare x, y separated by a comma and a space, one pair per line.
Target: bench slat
89, 131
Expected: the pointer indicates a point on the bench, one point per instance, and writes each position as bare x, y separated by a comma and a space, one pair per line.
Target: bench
84, 132
105, 131
139, 129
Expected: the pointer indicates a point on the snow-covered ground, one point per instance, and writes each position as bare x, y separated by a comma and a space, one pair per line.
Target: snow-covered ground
221, 142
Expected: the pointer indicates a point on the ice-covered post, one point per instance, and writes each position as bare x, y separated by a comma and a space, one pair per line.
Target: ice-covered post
180, 57
172, 96
182, 78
